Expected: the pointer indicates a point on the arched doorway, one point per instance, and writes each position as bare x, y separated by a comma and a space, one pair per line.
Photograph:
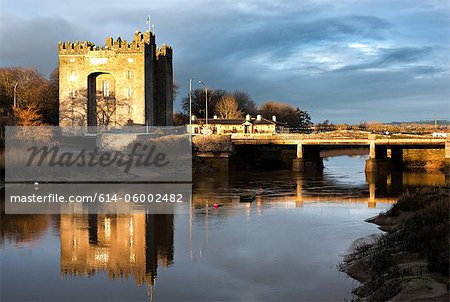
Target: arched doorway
99, 85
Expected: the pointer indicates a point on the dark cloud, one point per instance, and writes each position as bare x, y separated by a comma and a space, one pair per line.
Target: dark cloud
389, 58
342, 61
34, 42
405, 54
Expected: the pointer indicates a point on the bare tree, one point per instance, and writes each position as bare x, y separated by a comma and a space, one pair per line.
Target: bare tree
245, 102
73, 109
31, 88
228, 108
180, 119
294, 117
199, 104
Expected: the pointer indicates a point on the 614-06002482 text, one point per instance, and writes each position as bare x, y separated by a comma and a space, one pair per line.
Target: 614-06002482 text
102, 198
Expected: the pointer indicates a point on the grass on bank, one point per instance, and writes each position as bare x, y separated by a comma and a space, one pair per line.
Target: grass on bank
417, 245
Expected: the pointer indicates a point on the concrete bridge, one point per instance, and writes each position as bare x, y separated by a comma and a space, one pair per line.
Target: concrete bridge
308, 147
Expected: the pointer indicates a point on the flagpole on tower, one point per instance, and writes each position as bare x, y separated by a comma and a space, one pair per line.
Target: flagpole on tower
149, 23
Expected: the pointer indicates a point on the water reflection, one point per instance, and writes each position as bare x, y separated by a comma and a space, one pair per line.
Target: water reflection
223, 246
21, 229
123, 246
290, 189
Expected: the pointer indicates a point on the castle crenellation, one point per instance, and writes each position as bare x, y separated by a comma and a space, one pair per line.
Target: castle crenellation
118, 45
165, 51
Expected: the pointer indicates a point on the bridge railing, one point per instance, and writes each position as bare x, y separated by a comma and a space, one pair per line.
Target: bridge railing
322, 128
386, 130
295, 130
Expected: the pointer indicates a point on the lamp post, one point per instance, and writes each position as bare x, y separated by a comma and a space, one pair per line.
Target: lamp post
190, 100
206, 102
15, 94
15, 90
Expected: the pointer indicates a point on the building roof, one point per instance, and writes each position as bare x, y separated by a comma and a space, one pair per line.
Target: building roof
221, 121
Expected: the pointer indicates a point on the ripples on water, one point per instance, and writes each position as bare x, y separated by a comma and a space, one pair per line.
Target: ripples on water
283, 246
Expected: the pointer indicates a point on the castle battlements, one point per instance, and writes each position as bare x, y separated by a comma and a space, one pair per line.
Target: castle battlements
164, 51
140, 40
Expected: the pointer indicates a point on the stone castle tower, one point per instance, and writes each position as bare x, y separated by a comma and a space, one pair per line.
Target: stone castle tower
116, 84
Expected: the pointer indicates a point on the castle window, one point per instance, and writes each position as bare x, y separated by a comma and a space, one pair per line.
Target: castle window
129, 74
99, 61
73, 93
71, 60
130, 60
106, 89
129, 92
72, 76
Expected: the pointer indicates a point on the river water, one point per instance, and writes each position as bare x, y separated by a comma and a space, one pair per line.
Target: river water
284, 246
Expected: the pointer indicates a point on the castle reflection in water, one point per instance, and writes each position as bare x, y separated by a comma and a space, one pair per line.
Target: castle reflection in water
123, 246
135, 245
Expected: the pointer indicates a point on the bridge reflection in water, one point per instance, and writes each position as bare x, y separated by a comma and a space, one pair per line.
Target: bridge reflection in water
299, 188
135, 245
123, 246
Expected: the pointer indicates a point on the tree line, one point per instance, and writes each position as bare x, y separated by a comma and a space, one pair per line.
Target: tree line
36, 95
237, 104
37, 99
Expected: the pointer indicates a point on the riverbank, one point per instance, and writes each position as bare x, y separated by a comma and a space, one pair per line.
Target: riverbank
424, 160
410, 262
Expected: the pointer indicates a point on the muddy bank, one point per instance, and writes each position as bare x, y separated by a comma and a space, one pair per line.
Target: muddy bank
410, 262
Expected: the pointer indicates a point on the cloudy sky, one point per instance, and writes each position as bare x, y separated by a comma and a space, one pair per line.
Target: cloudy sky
346, 61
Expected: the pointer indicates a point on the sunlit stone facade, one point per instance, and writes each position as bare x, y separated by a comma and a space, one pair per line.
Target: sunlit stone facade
116, 84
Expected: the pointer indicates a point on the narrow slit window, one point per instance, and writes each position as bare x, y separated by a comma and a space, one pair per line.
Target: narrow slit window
106, 89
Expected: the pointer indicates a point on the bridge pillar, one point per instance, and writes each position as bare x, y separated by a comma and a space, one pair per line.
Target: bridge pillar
219, 162
299, 151
298, 163
378, 160
377, 183
397, 157
308, 158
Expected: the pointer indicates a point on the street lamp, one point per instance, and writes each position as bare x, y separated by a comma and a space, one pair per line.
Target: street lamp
15, 91
190, 100
15, 94
206, 102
